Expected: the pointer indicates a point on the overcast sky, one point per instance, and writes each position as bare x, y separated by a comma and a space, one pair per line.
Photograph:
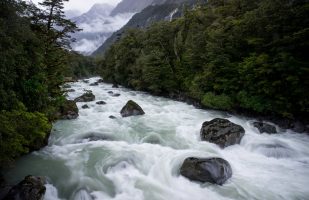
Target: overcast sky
83, 5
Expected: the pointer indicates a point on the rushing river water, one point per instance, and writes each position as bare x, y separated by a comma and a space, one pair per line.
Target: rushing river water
138, 158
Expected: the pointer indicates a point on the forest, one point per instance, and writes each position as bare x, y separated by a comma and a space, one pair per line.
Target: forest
35, 59
233, 55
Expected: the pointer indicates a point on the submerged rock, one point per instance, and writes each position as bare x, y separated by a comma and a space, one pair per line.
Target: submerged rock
97, 137
221, 132
85, 106
212, 170
70, 90
31, 188
265, 127
66, 86
110, 92
115, 85
68, 110
101, 102
86, 81
112, 117
88, 96
94, 84
115, 95
131, 109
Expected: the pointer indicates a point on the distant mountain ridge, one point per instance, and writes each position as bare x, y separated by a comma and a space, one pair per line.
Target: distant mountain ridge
97, 25
131, 6
157, 10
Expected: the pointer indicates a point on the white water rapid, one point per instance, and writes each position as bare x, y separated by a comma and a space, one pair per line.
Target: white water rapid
138, 158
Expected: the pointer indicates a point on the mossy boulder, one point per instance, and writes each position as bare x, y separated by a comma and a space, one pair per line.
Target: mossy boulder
31, 188
222, 132
131, 109
69, 110
86, 97
212, 170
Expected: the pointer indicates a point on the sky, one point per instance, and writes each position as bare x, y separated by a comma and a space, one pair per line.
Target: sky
83, 5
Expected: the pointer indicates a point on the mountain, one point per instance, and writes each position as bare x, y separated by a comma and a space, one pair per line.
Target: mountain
157, 11
97, 25
131, 6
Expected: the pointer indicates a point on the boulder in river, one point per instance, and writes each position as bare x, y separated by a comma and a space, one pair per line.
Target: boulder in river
110, 92
131, 109
66, 86
115, 85
100, 81
212, 170
265, 127
112, 117
68, 110
86, 97
94, 84
31, 188
115, 95
101, 102
222, 132
85, 106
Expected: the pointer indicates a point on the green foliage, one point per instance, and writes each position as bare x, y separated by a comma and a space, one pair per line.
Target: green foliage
20, 132
34, 57
80, 66
234, 54
222, 102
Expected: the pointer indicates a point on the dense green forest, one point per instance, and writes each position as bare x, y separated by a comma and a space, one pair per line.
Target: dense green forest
35, 59
235, 55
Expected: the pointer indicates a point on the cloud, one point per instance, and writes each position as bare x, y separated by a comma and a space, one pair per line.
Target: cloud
106, 24
97, 30
82, 5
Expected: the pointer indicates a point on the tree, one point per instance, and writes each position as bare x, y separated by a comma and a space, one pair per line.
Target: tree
55, 30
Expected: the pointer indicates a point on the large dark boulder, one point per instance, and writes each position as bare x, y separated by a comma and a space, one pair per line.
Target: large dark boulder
68, 110
212, 170
265, 127
86, 97
131, 109
31, 188
221, 132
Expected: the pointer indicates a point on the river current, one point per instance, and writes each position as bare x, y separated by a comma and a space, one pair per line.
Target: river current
138, 158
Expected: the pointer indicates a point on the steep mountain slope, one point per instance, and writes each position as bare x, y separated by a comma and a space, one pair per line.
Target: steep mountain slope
159, 10
97, 25
131, 6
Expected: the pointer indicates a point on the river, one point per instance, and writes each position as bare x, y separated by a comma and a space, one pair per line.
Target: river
138, 158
